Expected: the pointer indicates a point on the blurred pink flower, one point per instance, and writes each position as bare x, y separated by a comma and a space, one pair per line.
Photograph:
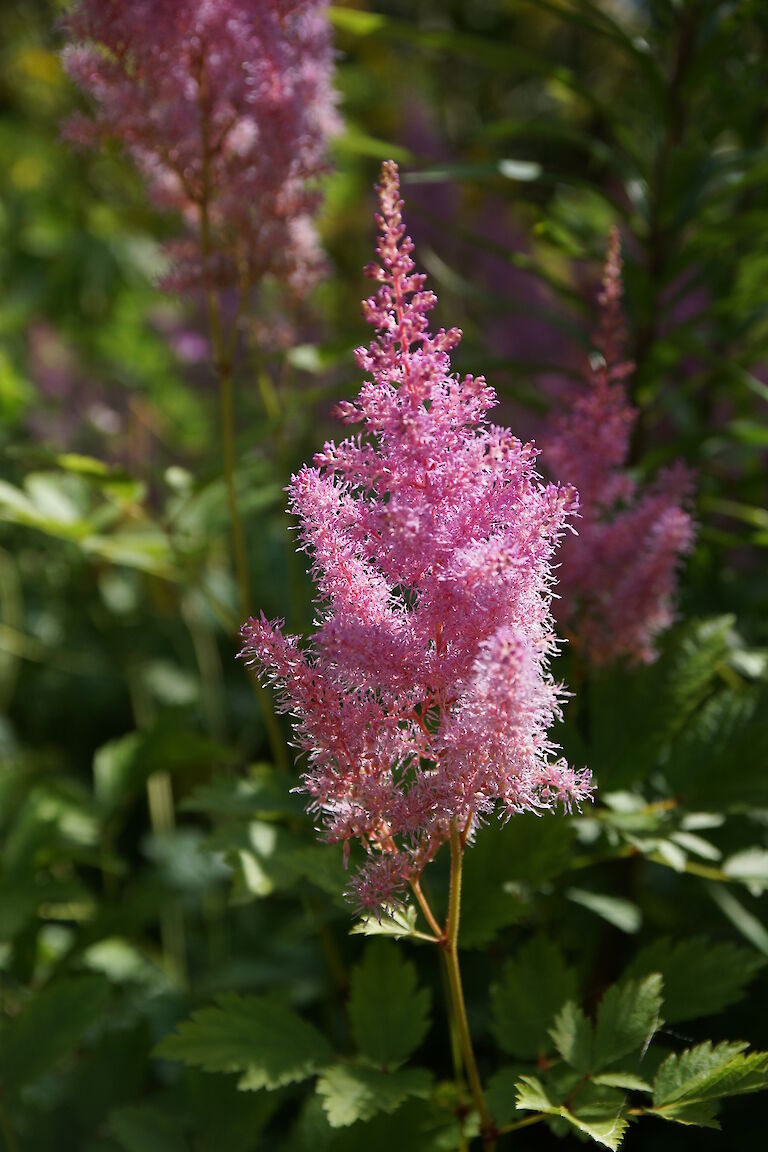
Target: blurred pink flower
226, 106
424, 697
617, 580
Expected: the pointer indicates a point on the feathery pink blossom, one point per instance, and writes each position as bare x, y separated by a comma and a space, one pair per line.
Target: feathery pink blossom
424, 697
226, 107
617, 579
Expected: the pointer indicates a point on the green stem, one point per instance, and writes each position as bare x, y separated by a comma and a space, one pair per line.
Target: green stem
227, 415
456, 1060
457, 1006
526, 1123
223, 350
162, 819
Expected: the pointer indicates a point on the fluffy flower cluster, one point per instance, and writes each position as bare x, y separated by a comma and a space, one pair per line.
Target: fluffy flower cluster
617, 579
226, 107
424, 697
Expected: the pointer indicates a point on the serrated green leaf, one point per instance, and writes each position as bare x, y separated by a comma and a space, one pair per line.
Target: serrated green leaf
397, 923
627, 1017
49, 1027
573, 1037
388, 1013
606, 1130
637, 714
688, 1084
728, 734
700, 977
534, 985
603, 1123
532, 1096
254, 1035
354, 1092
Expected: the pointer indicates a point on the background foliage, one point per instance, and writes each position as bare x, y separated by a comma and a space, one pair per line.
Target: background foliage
155, 870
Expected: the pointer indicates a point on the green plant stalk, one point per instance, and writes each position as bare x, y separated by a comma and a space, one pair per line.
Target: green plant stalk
162, 819
456, 1057
223, 349
172, 932
456, 1005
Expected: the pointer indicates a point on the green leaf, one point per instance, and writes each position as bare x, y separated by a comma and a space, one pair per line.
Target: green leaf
727, 735
750, 867
117, 771
49, 1027
146, 549
603, 1123
504, 860
264, 793
145, 1129
353, 1092
532, 1097
573, 1037
622, 914
742, 919
607, 1130
627, 1080
388, 1014
254, 1035
637, 714
700, 977
487, 904
263, 855
500, 1094
534, 985
627, 1017
397, 923
688, 1085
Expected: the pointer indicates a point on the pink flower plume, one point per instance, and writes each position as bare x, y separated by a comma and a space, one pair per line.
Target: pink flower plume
424, 697
226, 107
617, 579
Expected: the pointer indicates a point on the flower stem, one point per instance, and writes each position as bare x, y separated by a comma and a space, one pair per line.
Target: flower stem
456, 1005
223, 350
226, 409
429, 915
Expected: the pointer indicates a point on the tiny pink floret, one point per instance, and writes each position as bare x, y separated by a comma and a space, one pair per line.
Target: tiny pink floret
424, 698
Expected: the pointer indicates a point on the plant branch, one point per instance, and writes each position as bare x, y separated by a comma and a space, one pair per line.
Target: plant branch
536, 1118
429, 915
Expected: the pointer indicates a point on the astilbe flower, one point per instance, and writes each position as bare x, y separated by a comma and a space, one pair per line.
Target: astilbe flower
617, 579
424, 697
226, 106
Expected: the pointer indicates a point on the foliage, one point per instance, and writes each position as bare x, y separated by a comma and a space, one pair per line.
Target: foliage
179, 969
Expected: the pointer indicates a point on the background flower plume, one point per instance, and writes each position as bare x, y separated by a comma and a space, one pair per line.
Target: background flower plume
226, 107
617, 580
424, 696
